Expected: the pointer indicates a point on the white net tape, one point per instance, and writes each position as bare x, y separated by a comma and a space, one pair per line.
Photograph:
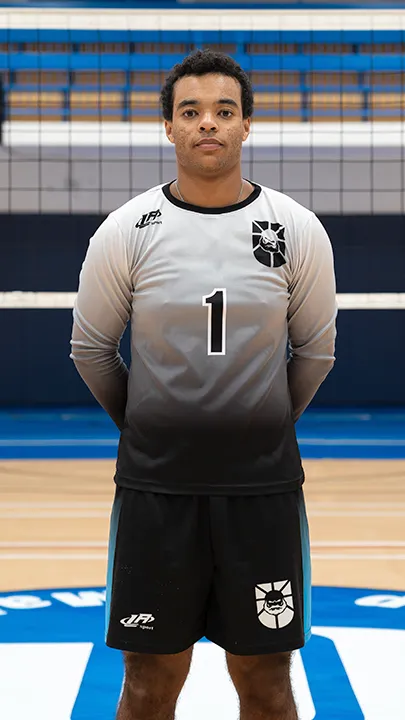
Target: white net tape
19, 300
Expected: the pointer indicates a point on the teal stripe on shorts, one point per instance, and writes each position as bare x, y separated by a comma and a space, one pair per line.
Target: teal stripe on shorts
306, 566
115, 514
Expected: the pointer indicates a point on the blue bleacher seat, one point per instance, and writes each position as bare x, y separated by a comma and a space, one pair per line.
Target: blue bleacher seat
117, 75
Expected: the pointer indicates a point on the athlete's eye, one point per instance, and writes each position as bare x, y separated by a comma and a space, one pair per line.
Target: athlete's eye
187, 113
229, 113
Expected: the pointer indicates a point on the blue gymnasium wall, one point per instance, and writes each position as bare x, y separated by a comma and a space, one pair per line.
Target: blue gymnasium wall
45, 252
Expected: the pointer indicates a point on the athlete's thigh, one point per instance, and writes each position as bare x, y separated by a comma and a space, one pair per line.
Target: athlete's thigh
260, 602
260, 676
159, 572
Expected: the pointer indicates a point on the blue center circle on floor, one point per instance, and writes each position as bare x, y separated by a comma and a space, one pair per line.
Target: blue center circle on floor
329, 659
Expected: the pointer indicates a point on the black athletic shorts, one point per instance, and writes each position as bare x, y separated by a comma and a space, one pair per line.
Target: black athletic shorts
233, 569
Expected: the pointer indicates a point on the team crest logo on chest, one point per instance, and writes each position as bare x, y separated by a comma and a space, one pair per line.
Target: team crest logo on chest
268, 241
275, 605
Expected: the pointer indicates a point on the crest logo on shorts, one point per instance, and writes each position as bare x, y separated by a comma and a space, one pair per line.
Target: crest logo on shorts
275, 605
268, 243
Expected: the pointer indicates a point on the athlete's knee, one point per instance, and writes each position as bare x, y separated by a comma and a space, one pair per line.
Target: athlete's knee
263, 684
151, 680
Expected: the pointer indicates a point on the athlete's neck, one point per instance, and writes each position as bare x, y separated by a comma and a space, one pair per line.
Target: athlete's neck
211, 192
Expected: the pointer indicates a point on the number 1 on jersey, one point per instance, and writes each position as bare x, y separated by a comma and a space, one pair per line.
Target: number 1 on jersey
216, 303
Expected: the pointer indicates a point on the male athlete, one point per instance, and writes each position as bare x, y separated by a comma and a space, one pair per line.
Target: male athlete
217, 275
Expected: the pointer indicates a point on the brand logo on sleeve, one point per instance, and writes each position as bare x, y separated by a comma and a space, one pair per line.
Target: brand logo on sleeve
268, 241
150, 218
275, 605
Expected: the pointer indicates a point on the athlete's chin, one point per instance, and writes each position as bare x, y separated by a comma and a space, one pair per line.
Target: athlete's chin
211, 165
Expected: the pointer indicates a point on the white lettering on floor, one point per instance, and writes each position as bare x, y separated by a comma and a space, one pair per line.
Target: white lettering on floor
40, 681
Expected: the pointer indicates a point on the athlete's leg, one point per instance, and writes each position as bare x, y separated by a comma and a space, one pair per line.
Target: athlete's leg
152, 685
260, 602
263, 685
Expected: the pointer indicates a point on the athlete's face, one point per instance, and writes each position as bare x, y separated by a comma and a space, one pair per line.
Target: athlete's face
207, 108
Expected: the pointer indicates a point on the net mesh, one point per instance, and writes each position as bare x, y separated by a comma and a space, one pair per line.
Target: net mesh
81, 123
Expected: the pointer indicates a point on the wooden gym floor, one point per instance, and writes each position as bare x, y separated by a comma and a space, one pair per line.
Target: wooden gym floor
55, 517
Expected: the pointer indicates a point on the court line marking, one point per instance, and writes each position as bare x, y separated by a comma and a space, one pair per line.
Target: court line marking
49, 515
103, 556
103, 544
53, 515
352, 505
313, 505
54, 544
113, 442
357, 556
355, 442
356, 543
53, 556
60, 442
356, 513
57, 505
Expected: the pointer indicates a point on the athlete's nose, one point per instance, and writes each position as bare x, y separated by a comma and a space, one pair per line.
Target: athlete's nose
208, 123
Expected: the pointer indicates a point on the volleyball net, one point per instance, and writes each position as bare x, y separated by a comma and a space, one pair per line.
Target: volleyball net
82, 127
83, 133
19, 300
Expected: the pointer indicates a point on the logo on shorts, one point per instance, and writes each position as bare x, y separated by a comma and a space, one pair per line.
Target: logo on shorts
268, 243
275, 606
140, 620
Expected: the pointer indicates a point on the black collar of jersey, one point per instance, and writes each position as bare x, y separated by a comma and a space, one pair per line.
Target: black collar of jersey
214, 210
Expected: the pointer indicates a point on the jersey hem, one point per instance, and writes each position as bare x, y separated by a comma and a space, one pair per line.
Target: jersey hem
173, 489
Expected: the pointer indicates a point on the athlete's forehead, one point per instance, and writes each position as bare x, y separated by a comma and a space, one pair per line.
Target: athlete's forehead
211, 89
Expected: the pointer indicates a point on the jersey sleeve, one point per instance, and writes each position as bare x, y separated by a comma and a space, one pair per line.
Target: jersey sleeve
101, 312
311, 315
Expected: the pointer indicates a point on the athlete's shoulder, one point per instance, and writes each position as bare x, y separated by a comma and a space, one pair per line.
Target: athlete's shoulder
147, 203
286, 207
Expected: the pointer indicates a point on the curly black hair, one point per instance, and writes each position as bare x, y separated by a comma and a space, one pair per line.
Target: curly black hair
202, 62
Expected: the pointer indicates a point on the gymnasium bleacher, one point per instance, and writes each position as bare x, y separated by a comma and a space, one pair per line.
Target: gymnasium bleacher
64, 75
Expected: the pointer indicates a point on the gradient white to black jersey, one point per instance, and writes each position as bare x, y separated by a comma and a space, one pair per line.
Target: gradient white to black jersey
213, 295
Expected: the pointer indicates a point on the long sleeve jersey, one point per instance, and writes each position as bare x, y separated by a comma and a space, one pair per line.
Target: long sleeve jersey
232, 315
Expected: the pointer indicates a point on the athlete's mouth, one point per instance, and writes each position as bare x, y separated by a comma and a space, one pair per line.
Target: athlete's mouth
210, 142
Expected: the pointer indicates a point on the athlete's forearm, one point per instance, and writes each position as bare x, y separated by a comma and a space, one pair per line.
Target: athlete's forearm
311, 316
106, 376
101, 313
305, 375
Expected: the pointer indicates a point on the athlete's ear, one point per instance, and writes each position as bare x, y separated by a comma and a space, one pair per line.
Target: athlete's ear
169, 128
246, 128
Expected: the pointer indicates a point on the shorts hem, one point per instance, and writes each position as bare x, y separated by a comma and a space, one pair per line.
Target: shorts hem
270, 649
160, 650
